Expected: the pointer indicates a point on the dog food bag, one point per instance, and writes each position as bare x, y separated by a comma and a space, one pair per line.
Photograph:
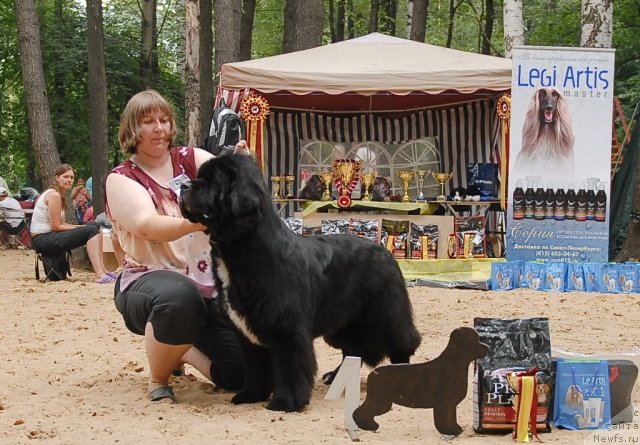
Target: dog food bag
334, 226
365, 228
606, 278
533, 273
470, 237
424, 241
575, 277
311, 231
515, 345
504, 276
555, 277
627, 278
295, 224
394, 236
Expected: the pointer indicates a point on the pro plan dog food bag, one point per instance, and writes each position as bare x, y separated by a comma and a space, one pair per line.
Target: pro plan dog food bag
295, 224
394, 236
424, 241
515, 345
365, 228
334, 226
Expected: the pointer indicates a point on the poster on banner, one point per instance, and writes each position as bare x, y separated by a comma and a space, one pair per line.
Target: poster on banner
560, 154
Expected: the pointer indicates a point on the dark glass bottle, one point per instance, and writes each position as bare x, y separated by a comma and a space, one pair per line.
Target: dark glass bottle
559, 212
529, 201
538, 206
570, 212
591, 202
549, 201
600, 213
581, 203
518, 201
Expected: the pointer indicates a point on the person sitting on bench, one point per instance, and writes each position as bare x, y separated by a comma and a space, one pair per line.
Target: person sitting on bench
52, 235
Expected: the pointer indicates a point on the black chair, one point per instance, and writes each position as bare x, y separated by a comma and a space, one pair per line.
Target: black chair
56, 266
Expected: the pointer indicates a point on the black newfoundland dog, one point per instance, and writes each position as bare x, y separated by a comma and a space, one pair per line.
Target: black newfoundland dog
281, 290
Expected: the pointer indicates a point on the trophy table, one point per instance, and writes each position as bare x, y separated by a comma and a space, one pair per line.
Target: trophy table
442, 178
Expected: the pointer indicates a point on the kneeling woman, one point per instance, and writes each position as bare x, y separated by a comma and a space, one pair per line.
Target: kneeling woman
52, 235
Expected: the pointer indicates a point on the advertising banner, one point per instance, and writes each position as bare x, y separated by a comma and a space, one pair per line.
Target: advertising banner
560, 154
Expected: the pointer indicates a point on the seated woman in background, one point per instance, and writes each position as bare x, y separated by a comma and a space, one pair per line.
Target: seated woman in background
52, 235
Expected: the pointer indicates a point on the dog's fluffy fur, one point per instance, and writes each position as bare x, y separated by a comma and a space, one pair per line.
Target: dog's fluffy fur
282, 290
547, 137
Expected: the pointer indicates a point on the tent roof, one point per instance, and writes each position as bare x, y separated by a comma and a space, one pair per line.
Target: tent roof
374, 65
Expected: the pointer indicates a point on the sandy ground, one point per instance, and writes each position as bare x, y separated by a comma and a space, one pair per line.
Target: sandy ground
72, 373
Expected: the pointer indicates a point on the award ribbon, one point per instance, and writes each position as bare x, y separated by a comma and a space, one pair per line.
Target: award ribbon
527, 411
254, 110
504, 113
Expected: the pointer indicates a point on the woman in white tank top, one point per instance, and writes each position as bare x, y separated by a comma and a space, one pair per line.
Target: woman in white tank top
52, 235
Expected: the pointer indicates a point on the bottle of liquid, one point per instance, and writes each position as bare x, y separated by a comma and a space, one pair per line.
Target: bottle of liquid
570, 212
559, 212
600, 213
581, 203
538, 206
591, 197
518, 201
529, 200
549, 201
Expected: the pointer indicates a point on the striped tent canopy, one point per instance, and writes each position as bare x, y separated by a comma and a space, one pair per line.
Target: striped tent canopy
375, 88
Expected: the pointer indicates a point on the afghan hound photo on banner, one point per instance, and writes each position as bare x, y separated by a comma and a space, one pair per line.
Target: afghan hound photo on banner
547, 136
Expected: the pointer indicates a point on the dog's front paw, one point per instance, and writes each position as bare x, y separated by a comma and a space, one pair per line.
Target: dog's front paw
286, 404
364, 421
249, 396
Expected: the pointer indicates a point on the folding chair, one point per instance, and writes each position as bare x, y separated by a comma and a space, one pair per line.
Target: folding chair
18, 235
56, 267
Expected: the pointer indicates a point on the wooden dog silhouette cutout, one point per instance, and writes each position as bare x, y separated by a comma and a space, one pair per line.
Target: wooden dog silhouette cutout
440, 384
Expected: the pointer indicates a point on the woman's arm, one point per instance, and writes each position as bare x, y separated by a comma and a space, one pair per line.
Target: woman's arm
131, 206
54, 204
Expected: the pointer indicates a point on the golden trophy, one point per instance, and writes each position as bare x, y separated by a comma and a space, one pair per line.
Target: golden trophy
347, 173
441, 178
275, 186
367, 181
405, 176
327, 177
421, 175
288, 193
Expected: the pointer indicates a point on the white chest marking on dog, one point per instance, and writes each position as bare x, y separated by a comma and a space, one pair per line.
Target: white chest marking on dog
236, 319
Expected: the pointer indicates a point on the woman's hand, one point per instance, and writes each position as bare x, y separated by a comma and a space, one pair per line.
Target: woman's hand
242, 148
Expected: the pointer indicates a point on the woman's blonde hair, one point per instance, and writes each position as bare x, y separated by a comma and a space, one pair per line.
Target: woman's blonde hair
61, 170
140, 105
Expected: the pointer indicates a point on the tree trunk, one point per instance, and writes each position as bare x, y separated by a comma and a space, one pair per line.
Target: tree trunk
630, 249
513, 26
181, 24
340, 22
388, 23
192, 73
228, 18
409, 17
149, 54
597, 23
488, 27
373, 16
351, 32
419, 20
246, 29
302, 25
207, 87
44, 144
98, 111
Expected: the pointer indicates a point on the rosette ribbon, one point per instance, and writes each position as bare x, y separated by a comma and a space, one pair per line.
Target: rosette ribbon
254, 110
346, 173
503, 107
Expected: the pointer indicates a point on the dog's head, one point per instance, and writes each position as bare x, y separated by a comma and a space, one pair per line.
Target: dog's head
468, 340
228, 196
547, 99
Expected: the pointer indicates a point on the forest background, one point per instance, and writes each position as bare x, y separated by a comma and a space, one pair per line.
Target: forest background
177, 47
